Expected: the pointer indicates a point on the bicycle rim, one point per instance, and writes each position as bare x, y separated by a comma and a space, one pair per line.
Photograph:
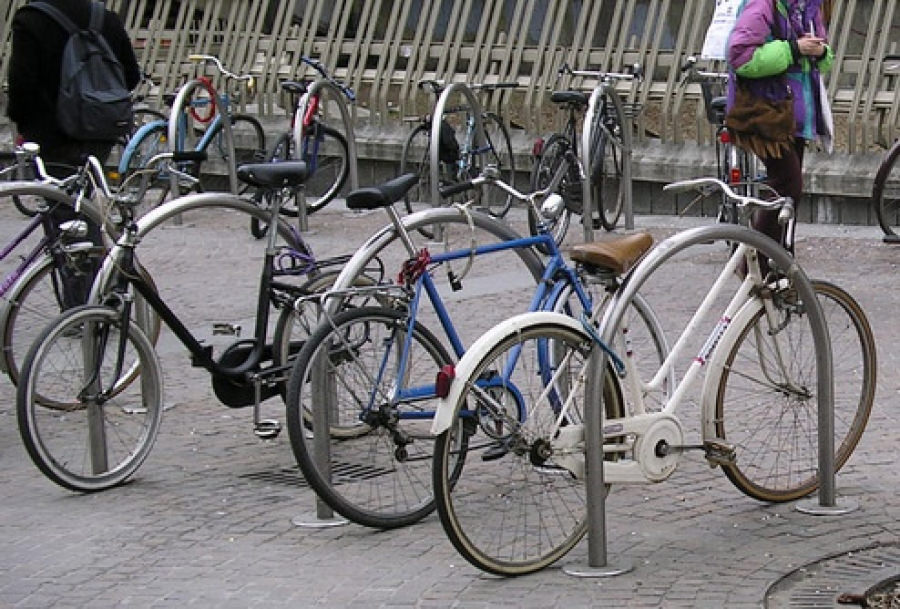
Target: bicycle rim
542, 172
499, 154
769, 412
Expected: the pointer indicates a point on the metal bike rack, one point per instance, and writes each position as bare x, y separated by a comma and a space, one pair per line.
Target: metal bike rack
436, 118
588, 209
596, 492
337, 95
179, 107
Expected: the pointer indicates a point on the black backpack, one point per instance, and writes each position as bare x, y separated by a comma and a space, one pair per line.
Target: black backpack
94, 103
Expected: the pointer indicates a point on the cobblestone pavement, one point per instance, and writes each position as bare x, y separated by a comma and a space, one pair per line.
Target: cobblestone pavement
208, 521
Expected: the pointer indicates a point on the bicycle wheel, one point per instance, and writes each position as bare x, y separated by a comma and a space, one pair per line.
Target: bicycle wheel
768, 411
553, 154
886, 192
415, 158
264, 198
379, 446
515, 511
148, 141
37, 298
79, 440
607, 179
249, 147
326, 153
141, 117
499, 153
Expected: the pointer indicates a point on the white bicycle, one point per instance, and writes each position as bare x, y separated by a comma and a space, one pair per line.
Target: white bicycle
521, 512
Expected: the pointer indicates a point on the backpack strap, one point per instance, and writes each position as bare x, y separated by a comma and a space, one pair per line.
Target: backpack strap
98, 11
57, 15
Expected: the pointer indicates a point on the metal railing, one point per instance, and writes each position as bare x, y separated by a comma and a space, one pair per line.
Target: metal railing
383, 48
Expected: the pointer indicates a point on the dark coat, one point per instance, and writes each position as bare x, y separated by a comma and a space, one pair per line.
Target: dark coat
37, 48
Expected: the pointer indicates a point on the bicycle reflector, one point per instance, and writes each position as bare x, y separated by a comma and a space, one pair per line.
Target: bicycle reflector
445, 377
538, 148
735, 175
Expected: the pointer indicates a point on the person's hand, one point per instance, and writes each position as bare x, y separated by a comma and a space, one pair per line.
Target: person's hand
811, 46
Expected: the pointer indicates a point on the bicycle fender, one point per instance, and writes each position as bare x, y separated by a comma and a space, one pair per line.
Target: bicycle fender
716, 366
447, 406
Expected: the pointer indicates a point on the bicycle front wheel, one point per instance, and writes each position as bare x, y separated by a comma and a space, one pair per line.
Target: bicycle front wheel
553, 155
327, 156
80, 436
886, 192
766, 405
519, 503
363, 448
416, 158
607, 163
499, 153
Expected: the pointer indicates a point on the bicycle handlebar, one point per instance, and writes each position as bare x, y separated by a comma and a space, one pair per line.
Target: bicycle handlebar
636, 73
692, 74
202, 58
784, 204
317, 65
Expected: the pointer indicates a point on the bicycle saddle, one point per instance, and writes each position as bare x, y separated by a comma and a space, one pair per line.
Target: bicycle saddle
383, 195
273, 175
569, 97
616, 255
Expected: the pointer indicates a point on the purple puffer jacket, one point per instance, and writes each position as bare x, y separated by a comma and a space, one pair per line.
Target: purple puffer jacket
758, 55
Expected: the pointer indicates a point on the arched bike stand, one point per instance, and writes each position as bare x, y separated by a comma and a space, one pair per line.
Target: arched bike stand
436, 118
337, 96
587, 191
179, 108
596, 492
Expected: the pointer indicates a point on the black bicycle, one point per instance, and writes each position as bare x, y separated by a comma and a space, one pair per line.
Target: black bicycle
90, 394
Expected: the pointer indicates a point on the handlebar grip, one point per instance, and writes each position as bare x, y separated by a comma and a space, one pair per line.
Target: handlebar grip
193, 156
787, 211
455, 189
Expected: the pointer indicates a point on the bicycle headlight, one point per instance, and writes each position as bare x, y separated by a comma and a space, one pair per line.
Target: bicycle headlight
552, 206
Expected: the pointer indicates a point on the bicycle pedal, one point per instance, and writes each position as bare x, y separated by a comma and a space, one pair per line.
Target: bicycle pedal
226, 329
719, 453
267, 429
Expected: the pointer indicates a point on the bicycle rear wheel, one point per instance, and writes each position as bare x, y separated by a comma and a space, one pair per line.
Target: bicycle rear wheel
553, 154
249, 147
79, 441
518, 508
768, 410
886, 193
415, 158
365, 452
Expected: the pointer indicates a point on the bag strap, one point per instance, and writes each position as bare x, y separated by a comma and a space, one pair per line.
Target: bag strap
57, 15
98, 11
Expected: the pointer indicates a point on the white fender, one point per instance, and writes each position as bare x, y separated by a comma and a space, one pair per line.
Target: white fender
717, 363
446, 410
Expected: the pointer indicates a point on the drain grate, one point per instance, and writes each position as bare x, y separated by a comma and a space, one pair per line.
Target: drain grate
819, 584
341, 471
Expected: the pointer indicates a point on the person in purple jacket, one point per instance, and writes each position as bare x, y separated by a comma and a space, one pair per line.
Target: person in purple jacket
778, 49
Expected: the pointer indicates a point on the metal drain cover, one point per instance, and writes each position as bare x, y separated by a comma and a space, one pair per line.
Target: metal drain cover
341, 471
819, 584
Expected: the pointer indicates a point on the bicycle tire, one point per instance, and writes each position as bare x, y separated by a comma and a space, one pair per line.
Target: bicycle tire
330, 166
35, 300
763, 422
553, 154
55, 420
886, 193
249, 147
416, 158
148, 141
140, 117
377, 474
607, 170
500, 154
521, 511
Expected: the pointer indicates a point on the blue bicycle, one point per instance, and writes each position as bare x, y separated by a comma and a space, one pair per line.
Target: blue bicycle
362, 391
200, 126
